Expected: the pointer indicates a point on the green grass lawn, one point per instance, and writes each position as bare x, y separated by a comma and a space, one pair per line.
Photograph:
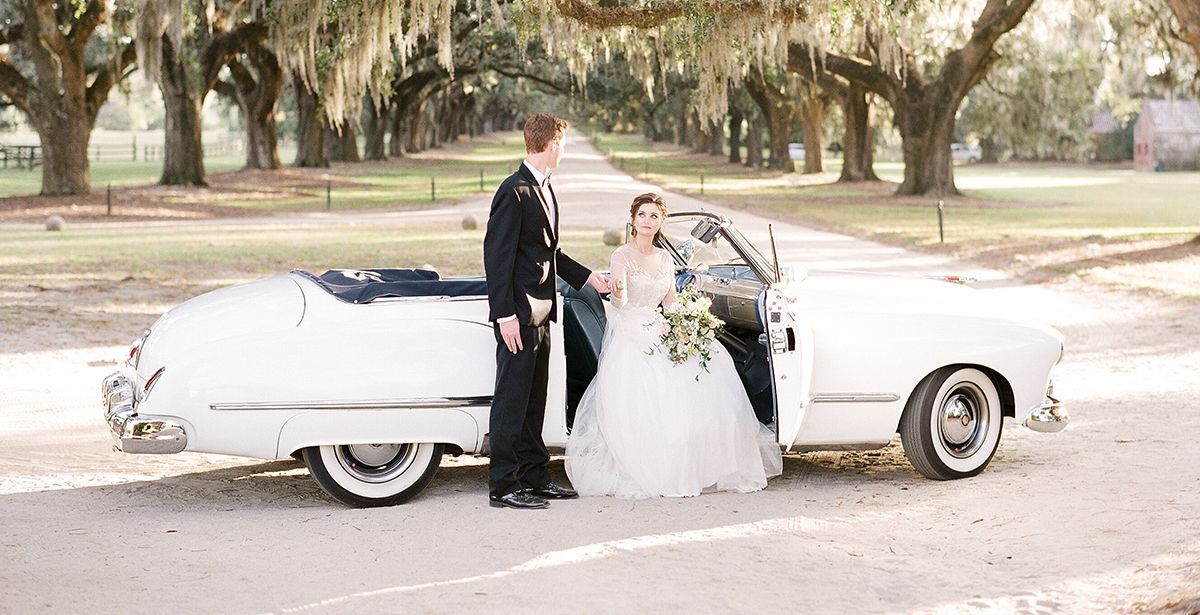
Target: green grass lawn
452, 172
1005, 203
197, 253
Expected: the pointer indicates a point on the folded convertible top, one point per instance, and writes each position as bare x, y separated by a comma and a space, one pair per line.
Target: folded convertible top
367, 285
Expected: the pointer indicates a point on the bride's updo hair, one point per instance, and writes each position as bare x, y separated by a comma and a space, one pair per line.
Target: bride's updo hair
657, 200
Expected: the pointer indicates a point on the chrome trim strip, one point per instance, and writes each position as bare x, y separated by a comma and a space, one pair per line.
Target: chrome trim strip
848, 398
381, 404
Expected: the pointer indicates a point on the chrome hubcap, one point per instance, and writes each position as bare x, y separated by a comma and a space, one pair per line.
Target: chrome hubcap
376, 463
963, 420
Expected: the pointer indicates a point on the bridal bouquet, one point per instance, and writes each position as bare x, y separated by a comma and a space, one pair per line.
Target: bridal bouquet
690, 329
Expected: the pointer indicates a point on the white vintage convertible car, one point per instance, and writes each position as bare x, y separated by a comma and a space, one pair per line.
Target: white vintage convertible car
371, 376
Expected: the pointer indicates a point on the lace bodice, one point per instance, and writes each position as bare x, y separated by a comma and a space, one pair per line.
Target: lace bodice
648, 278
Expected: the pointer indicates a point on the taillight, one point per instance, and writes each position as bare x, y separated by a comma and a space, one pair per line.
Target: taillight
135, 350
153, 379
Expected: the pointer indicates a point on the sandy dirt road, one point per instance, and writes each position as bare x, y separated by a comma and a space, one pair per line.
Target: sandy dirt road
1102, 517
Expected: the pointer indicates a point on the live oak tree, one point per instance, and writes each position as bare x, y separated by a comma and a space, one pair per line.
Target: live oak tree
183, 46
255, 82
925, 92
1188, 14
63, 60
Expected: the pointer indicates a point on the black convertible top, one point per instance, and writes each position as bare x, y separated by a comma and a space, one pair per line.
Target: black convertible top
367, 285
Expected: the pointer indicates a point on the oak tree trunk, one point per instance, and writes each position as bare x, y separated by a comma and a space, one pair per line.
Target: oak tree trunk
858, 141
342, 145
375, 129
183, 150
259, 100
813, 111
926, 125
65, 167
716, 138
398, 121
310, 135
735, 135
754, 145
778, 111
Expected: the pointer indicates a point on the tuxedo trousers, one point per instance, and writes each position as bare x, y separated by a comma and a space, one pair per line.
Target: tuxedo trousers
518, 452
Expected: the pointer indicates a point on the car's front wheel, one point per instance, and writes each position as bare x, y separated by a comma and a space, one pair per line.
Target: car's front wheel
363, 475
951, 426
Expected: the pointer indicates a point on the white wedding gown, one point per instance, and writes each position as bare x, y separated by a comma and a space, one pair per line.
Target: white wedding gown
646, 427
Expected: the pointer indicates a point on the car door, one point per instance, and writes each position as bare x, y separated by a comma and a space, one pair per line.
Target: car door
789, 342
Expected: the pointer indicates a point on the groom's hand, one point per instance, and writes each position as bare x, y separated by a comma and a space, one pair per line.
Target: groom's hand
510, 332
598, 282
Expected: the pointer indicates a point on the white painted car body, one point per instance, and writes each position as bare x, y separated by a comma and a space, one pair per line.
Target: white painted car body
268, 368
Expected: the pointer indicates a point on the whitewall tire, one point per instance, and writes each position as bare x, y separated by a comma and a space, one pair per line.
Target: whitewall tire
364, 475
951, 426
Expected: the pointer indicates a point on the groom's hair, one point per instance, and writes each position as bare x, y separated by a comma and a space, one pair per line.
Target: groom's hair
542, 129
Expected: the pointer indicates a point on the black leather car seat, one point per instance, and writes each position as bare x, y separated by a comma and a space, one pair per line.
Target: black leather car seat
583, 334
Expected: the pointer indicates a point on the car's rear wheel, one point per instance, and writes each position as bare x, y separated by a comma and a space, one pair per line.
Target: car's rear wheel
951, 426
364, 475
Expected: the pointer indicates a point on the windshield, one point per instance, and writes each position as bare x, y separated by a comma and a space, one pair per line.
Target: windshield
727, 248
695, 253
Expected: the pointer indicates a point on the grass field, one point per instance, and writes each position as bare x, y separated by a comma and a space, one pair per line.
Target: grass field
93, 285
1035, 221
448, 173
1002, 202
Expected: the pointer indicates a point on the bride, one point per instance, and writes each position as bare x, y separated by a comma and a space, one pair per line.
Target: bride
645, 426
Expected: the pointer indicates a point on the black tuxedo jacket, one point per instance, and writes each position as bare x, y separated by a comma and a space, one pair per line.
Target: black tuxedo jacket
520, 253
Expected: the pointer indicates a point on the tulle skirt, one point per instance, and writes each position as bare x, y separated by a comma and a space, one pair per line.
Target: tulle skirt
648, 427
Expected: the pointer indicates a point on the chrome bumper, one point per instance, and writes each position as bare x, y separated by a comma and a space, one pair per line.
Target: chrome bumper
134, 433
1050, 417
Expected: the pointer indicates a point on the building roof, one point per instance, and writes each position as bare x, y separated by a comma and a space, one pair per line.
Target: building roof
1172, 115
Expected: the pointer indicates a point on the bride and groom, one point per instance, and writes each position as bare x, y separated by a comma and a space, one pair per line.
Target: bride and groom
645, 426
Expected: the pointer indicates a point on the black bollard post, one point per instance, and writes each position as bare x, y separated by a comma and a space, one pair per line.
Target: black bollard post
328, 195
481, 180
108, 199
432, 188
701, 184
941, 230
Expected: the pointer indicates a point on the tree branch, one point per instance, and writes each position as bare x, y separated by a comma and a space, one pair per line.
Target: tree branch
514, 73
12, 34
47, 27
224, 46
97, 12
654, 16
14, 85
857, 70
107, 77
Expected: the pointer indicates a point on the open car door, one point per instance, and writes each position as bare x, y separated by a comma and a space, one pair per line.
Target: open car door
789, 342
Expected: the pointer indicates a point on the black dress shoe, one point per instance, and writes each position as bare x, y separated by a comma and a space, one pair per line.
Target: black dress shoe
550, 491
517, 499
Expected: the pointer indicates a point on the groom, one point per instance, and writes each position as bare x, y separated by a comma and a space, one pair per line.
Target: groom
521, 258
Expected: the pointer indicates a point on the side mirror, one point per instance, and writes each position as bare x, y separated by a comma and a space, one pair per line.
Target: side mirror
705, 231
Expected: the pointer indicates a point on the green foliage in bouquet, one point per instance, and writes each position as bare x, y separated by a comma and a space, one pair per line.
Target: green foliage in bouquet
690, 329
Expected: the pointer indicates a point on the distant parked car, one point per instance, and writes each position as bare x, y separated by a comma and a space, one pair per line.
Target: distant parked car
961, 152
796, 151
